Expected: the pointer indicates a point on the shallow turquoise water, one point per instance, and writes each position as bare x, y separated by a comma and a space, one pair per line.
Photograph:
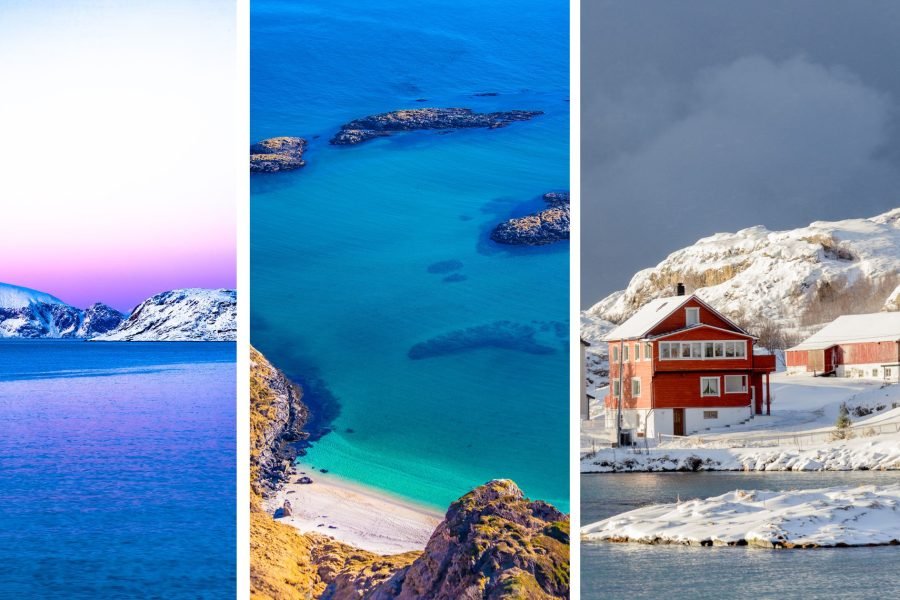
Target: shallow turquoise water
340, 284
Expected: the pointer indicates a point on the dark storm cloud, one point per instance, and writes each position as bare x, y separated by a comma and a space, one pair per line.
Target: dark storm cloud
714, 119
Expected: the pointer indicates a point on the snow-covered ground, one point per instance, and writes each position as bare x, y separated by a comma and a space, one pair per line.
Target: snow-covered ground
840, 516
800, 434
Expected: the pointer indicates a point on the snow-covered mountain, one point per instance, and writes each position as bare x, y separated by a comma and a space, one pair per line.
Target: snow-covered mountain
190, 314
28, 313
797, 279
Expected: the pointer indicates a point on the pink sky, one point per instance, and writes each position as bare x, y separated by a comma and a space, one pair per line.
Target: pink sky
121, 168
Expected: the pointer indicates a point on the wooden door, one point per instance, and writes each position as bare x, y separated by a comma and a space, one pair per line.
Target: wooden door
678, 421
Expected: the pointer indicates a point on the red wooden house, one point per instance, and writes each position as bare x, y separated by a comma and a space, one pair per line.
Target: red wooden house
851, 346
678, 366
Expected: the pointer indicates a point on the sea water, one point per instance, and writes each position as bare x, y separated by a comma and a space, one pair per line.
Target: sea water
117, 476
350, 254
642, 571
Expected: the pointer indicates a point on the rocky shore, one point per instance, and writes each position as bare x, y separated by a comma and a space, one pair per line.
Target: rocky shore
277, 154
492, 543
277, 417
367, 128
545, 227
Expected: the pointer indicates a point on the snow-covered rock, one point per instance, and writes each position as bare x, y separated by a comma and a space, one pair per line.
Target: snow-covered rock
791, 277
190, 314
839, 516
27, 313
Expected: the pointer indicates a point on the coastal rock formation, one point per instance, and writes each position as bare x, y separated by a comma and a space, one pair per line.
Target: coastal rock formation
277, 417
506, 335
493, 543
277, 154
190, 314
367, 128
545, 227
27, 313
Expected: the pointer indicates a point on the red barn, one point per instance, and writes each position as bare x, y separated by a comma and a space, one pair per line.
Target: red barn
851, 346
678, 367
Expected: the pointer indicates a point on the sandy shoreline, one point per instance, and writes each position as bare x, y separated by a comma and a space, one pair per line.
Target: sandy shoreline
356, 515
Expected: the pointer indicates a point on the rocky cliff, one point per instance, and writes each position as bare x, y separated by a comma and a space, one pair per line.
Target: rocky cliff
545, 227
277, 417
373, 126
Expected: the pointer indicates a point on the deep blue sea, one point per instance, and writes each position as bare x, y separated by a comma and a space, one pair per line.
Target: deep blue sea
350, 254
117, 470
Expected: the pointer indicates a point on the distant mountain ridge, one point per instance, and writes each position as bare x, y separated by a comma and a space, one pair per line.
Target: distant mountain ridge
797, 279
179, 315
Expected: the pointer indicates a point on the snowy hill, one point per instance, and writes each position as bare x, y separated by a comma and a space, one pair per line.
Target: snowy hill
191, 314
27, 313
799, 279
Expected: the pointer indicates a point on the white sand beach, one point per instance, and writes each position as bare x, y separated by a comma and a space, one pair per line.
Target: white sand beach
356, 515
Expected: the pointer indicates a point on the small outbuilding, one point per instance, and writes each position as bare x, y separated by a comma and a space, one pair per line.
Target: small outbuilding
864, 346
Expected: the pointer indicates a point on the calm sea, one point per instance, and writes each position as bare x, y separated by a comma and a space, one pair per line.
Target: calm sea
347, 253
641, 571
117, 470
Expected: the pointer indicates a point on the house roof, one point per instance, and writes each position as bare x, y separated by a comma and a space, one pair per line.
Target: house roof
652, 313
646, 318
875, 327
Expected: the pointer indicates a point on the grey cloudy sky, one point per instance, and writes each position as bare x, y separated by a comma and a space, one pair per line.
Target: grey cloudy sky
705, 116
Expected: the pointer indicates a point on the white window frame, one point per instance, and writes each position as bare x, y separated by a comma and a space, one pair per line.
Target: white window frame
648, 350
625, 356
615, 353
699, 349
710, 414
691, 310
703, 381
636, 380
637, 351
615, 388
744, 384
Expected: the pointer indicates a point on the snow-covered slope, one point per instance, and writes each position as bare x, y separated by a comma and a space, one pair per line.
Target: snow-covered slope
28, 313
796, 278
190, 314
839, 516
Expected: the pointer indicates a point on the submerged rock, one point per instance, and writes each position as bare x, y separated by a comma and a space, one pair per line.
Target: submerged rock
277, 154
367, 128
499, 334
545, 227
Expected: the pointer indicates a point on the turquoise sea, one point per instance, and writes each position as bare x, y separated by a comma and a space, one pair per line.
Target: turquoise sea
349, 255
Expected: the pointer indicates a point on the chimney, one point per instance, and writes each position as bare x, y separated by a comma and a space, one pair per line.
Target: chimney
679, 289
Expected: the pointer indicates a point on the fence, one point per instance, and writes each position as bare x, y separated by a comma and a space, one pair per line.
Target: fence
784, 438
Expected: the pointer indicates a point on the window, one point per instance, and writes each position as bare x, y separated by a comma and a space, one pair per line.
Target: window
625, 353
735, 384
635, 387
615, 388
637, 351
710, 414
887, 371
665, 351
874, 372
615, 354
648, 351
709, 386
692, 316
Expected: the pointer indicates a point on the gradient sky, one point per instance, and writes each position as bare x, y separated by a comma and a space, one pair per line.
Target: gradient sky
119, 165
705, 116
